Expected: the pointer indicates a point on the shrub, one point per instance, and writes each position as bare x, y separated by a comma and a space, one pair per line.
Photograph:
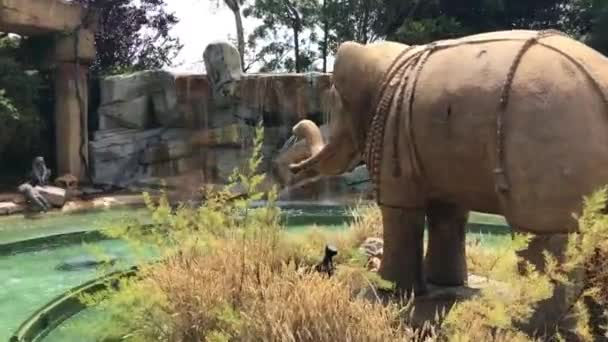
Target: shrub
20, 120
229, 272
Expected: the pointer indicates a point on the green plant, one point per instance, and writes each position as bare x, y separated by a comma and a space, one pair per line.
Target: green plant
21, 123
229, 272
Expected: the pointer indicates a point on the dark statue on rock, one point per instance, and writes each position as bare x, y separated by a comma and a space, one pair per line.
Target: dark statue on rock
40, 174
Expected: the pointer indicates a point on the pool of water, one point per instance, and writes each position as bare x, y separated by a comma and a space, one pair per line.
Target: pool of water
31, 279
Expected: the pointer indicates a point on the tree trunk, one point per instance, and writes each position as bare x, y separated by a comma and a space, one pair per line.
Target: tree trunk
296, 21
325, 35
365, 25
296, 44
240, 35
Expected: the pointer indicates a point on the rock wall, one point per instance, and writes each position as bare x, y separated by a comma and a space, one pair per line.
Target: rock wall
154, 125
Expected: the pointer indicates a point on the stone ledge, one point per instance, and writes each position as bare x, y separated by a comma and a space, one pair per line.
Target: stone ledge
31, 17
8, 208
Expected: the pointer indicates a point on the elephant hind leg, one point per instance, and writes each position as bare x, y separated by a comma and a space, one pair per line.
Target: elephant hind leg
445, 257
403, 249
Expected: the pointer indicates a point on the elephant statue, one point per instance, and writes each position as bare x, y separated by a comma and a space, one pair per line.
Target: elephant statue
486, 122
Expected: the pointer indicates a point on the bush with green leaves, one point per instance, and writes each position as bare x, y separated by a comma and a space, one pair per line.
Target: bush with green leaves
20, 117
229, 272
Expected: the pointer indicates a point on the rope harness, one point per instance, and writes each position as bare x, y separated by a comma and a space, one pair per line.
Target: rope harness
399, 84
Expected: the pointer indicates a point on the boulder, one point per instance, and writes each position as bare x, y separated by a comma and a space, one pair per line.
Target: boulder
123, 88
121, 156
373, 264
358, 180
372, 247
223, 65
138, 99
10, 197
55, 195
67, 181
235, 135
132, 113
8, 208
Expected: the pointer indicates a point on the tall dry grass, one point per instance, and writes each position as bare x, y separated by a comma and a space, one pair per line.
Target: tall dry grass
230, 273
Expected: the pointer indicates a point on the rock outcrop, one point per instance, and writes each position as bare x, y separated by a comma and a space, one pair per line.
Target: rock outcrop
139, 100
155, 125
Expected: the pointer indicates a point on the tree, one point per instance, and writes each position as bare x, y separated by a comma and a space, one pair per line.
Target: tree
21, 121
235, 6
417, 20
133, 35
294, 15
596, 11
349, 20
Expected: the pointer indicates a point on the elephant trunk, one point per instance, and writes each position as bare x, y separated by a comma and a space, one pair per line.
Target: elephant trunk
311, 133
332, 158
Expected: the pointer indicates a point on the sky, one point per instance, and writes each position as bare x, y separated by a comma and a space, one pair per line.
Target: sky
200, 24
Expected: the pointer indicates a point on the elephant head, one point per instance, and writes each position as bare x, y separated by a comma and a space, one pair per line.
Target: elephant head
358, 72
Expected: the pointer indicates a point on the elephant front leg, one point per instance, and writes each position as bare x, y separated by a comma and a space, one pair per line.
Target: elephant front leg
446, 262
403, 249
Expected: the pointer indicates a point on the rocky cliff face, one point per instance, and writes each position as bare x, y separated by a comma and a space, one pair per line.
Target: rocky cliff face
154, 125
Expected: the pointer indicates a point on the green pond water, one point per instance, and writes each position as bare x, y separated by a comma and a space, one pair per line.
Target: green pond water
30, 278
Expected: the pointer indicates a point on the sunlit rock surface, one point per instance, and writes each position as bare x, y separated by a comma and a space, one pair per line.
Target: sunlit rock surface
55, 195
155, 125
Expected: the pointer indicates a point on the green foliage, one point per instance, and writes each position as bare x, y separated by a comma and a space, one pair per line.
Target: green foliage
133, 35
20, 118
599, 25
417, 32
228, 272
290, 25
509, 298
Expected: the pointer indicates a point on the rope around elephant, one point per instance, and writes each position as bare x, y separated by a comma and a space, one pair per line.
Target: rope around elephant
396, 87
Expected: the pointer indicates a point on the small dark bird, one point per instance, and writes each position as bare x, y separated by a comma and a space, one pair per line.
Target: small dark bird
327, 264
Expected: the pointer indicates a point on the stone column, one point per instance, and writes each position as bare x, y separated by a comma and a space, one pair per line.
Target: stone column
71, 107
70, 123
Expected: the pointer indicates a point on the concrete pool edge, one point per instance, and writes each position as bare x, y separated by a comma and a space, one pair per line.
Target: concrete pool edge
65, 306
72, 237
43, 236
95, 234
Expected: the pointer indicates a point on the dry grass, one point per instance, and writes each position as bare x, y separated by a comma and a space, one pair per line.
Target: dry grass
233, 277
217, 296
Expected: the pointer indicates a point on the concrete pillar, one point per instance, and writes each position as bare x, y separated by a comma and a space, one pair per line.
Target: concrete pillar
70, 120
71, 108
